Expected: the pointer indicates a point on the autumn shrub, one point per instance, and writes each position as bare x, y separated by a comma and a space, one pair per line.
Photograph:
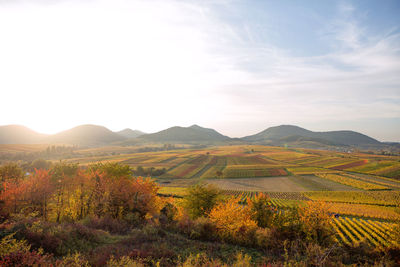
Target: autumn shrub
124, 261
204, 229
107, 223
147, 245
262, 238
9, 244
201, 199
315, 222
15, 252
54, 238
22, 259
101, 255
72, 260
167, 215
233, 222
200, 260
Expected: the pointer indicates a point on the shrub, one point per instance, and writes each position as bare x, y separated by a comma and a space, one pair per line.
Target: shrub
111, 225
10, 245
204, 229
25, 258
316, 223
201, 259
72, 260
124, 261
167, 214
17, 253
233, 222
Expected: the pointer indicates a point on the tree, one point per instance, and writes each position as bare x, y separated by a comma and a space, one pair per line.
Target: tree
40, 164
11, 196
112, 169
38, 190
10, 171
120, 196
262, 210
62, 177
201, 199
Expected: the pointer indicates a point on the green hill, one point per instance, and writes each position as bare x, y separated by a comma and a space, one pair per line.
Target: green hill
193, 133
291, 133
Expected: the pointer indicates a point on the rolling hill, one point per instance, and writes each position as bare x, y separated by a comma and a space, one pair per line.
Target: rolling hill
290, 133
93, 135
129, 133
17, 134
86, 135
179, 134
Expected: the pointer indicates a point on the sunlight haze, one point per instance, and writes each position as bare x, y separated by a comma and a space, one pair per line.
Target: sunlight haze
235, 66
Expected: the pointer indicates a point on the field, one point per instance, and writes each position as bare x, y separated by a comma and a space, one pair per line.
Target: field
362, 189
278, 184
239, 161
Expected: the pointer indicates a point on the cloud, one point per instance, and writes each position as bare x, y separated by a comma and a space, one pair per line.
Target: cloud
357, 79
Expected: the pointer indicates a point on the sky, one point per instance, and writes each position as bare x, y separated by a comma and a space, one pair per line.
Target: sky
236, 66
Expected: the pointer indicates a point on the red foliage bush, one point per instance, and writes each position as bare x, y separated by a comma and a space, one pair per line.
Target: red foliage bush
30, 258
108, 224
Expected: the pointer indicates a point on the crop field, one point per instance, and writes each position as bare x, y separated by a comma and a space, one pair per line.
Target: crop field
15, 148
240, 171
274, 184
366, 211
355, 230
242, 161
384, 198
309, 170
352, 182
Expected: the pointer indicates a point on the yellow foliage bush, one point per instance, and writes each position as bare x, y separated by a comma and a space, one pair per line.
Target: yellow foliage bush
233, 220
316, 222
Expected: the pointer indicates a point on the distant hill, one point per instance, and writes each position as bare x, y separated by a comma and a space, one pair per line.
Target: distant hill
193, 133
93, 135
289, 133
86, 135
17, 134
129, 133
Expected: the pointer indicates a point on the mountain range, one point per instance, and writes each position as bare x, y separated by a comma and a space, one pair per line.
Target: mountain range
94, 135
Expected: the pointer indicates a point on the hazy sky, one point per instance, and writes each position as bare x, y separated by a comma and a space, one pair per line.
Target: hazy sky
236, 66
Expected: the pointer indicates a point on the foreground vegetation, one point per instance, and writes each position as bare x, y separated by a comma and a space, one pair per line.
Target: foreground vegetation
100, 215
